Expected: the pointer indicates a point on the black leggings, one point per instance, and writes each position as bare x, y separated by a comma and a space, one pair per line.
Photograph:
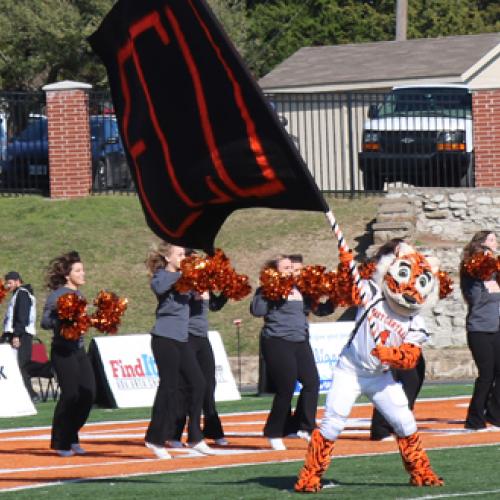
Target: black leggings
412, 381
212, 427
286, 363
174, 360
77, 383
485, 403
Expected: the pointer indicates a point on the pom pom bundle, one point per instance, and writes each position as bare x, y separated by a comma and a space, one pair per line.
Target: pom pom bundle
110, 309
213, 273
276, 286
72, 311
445, 284
3, 291
481, 266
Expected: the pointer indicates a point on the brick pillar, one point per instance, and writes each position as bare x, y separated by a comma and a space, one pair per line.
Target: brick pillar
486, 113
70, 162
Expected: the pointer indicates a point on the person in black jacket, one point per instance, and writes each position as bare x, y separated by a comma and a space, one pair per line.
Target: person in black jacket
288, 357
175, 360
71, 363
19, 325
483, 335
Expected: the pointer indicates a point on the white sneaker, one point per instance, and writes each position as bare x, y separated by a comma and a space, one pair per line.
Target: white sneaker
203, 448
78, 449
175, 444
304, 435
221, 441
159, 451
387, 438
277, 444
65, 453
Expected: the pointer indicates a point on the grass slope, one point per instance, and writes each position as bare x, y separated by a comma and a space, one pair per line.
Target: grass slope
112, 237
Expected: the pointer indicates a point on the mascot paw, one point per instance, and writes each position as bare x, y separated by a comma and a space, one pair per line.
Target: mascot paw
308, 485
426, 478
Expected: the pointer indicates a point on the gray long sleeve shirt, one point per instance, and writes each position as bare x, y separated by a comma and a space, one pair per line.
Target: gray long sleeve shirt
484, 307
286, 319
198, 312
50, 321
172, 312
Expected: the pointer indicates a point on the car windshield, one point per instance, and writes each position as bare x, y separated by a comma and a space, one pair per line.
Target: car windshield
36, 130
452, 103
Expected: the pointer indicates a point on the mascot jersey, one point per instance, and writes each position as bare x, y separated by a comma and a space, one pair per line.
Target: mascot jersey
392, 329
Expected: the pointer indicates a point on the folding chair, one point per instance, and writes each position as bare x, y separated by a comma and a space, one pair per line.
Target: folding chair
41, 367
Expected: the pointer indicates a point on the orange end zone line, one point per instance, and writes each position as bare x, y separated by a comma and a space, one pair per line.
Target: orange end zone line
27, 462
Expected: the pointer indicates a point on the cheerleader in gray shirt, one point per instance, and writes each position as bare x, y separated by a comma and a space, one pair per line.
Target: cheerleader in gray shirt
173, 356
289, 357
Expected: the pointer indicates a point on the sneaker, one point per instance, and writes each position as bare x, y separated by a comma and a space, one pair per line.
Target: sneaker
277, 444
159, 451
221, 441
202, 448
173, 443
65, 453
77, 449
304, 435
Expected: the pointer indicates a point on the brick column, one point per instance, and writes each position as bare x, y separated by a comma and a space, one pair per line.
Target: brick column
70, 162
486, 113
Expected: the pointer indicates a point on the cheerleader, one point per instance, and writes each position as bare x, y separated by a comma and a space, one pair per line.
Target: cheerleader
199, 306
288, 357
174, 358
482, 295
71, 364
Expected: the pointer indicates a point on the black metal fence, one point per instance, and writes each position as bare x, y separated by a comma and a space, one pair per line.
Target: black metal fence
23, 143
351, 142
355, 142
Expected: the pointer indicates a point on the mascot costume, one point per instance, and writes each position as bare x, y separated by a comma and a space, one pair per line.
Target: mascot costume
389, 332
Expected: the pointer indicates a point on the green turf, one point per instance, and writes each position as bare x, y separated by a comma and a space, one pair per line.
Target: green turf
113, 239
468, 472
249, 402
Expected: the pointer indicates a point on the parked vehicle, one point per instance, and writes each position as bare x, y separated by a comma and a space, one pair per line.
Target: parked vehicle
3, 137
26, 163
421, 135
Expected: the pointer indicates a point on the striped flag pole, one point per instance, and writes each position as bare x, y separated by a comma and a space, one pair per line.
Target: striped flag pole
344, 247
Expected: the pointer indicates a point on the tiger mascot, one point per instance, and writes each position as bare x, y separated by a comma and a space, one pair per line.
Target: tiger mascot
388, 332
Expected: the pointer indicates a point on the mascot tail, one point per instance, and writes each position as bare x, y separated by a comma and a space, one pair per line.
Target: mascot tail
417, 462
319, 453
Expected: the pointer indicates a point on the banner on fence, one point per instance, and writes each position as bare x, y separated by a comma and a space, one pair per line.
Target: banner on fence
327, 340
14, 397
126, 370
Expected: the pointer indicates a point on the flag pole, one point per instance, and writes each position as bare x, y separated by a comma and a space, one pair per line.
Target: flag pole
353, 269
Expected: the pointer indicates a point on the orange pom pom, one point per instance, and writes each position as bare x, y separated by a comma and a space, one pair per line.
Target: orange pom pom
72, 311
367, 269
3, 291
275, 286
445, 284
110, 309
480, 266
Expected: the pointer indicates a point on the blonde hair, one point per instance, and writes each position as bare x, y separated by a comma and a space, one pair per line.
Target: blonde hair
156, 257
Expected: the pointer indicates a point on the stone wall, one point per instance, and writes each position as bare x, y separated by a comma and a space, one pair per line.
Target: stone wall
442, 221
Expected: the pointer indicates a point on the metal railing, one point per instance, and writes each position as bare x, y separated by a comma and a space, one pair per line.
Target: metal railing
351, 142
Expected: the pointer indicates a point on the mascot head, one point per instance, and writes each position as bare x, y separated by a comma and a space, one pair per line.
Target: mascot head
408, 279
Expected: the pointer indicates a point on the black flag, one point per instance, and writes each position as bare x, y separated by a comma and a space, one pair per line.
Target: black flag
200, 137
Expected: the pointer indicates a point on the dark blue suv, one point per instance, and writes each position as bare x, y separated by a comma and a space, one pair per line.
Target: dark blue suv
26, 162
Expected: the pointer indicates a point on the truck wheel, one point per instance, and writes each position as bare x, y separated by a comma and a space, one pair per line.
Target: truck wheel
373, 181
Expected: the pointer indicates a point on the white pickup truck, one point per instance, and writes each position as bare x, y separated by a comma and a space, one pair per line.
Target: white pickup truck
420, 135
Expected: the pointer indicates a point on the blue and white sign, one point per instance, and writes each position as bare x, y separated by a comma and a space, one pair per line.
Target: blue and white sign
327, 340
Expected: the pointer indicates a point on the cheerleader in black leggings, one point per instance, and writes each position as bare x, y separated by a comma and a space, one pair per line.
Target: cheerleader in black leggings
174, 358
289, 357
72, 366
199, 306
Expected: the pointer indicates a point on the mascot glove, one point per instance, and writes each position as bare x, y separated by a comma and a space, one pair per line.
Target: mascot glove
404, 357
